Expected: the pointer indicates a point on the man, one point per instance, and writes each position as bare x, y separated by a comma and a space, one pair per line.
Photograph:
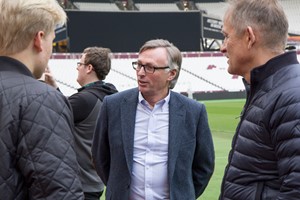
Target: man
94, 65
264, 160
150, 142
37, 146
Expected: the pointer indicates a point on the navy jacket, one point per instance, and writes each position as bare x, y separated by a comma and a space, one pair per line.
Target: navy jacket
264, 162
191, 153
37, 158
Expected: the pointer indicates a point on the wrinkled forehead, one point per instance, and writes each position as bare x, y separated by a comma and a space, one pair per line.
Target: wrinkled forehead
154, 55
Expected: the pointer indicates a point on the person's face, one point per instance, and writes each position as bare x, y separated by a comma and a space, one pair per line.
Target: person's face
235, 49
46, 46
156, 84
81, 68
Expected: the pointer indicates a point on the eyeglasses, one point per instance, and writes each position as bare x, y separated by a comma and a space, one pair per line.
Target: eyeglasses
80, 63
147, 68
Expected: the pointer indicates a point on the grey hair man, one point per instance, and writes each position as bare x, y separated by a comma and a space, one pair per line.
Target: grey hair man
264, 160
151, 142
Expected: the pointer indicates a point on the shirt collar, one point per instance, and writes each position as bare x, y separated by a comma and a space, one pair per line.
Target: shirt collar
163, 102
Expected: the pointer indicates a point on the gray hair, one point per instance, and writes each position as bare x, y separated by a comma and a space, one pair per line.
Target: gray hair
265, 16
174, 55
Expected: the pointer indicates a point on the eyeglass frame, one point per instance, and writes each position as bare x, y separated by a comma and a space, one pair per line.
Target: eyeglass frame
147, 70
80, 63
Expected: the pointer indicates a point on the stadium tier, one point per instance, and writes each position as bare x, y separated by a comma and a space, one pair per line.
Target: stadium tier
201, 72
211, 7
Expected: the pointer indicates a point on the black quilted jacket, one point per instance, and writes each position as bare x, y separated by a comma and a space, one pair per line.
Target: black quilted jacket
37, 159
264, 163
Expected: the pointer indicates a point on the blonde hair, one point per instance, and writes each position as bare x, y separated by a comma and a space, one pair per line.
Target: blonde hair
20, 20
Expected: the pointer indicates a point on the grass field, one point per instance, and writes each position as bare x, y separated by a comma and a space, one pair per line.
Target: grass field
223, 117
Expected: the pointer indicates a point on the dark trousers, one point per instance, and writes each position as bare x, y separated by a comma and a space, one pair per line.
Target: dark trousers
92, 195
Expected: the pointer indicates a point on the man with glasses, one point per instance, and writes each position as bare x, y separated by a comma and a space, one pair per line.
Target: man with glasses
94, 66
150, 142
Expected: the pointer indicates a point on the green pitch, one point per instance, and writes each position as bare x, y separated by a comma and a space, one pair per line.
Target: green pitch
223, 117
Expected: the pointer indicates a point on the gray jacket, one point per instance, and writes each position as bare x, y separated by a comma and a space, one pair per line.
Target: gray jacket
86, 105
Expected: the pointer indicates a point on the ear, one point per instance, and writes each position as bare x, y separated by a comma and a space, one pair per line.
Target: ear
251, 39
38, 40
89, 68
172, 74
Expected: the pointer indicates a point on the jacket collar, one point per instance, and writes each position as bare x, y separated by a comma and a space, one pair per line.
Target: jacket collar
273, 65
13, 65
128, 112
90, 84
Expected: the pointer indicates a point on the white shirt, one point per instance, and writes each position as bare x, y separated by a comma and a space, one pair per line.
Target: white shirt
149, 178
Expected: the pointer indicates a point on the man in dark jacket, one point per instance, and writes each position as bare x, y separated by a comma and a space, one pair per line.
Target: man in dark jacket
264, 162
37, 159
150, 142
94, 65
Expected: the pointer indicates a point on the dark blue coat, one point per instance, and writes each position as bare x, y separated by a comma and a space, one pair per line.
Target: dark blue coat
191, 153
264, 162
37, 158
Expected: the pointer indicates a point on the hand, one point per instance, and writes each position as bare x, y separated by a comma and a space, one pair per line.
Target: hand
49, 78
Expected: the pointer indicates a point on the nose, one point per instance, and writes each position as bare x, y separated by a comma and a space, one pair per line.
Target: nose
223, 48
141, 71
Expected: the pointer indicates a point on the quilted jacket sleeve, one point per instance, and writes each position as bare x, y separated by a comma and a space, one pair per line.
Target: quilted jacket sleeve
285, 125
45, 149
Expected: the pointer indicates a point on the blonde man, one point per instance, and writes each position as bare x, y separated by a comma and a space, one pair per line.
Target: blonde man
37, 146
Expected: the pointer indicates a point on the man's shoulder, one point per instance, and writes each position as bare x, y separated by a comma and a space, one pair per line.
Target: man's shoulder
124, 94
82, 95
184, 99
21, 86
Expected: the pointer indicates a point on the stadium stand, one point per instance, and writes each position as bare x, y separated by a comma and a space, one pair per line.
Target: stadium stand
211, 7
201, 71
194, 77
96, 6
214, 9
292, 8
154, 7
215, 72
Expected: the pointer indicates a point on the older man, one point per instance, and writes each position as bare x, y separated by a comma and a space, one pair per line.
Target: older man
150, 142
264, 162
